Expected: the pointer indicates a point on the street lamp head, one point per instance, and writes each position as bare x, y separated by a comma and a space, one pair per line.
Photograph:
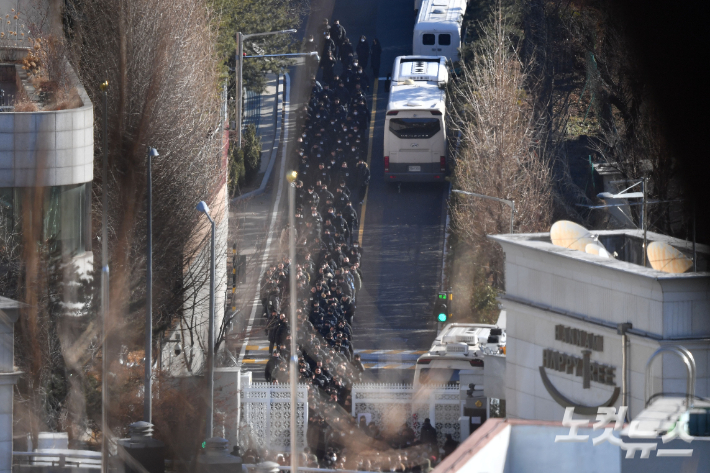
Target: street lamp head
290, 31
202, 207
623, 195
104, 86
153, 152
292, 176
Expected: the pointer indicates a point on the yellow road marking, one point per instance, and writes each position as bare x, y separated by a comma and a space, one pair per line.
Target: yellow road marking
252, 361
257, 347
369, 158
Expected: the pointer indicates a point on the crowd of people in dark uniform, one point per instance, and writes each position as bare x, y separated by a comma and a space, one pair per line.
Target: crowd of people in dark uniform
332, 180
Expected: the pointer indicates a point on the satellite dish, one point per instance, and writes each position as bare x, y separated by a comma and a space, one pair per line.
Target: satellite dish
664, 257
570, 235
597, 249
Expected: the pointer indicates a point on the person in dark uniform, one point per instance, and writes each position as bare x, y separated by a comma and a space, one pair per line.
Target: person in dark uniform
363, 52
337, 32
428, 434
328, 47
271, 366
375, 56
450, 445
328, 65
350, 216
346, 53
362, 175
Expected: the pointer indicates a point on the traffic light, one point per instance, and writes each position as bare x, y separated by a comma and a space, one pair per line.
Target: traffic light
441, 310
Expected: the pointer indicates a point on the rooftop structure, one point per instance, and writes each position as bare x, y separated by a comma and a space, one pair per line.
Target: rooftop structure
581, 327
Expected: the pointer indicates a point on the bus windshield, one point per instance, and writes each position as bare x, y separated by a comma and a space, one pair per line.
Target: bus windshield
413, 128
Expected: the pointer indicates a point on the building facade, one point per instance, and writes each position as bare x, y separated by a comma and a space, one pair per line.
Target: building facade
565, 311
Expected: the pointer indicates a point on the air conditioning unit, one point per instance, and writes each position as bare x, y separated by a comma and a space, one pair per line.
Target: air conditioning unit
469, 339
457, 348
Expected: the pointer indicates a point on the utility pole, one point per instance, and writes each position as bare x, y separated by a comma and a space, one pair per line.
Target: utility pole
240, 61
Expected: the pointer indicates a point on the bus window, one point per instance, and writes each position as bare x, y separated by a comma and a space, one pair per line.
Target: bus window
428, 39
438, 376
414, 128
445, 40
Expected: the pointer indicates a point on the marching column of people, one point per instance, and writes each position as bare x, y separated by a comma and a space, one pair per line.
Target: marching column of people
333, 177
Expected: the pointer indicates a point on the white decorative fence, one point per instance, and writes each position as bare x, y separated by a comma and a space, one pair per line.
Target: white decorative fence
266, 409
391, 405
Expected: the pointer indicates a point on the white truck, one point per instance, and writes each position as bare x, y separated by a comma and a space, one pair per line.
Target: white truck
458, 356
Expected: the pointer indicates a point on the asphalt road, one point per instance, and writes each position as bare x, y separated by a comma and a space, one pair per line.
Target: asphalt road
403, 227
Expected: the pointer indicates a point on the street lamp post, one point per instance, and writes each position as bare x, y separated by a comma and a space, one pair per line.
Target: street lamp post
202, 207
293, 369
104, 285
148, 384
240, 59
509, 203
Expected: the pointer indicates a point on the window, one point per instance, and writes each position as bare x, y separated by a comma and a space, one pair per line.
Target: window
414, 128
428, 39
438, 376
444, 39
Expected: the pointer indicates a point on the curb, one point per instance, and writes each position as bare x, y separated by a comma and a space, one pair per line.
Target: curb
277, 141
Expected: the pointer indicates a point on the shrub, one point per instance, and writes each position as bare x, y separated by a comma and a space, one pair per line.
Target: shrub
251, 150
237, 174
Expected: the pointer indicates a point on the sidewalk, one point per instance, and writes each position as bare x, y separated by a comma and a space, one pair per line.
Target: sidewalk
256, 216
260, 110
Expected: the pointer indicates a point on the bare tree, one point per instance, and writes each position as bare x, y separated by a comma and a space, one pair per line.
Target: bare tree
500, 148
159, 60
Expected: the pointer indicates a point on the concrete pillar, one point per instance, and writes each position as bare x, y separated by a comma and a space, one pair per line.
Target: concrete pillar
141, 448
215, 458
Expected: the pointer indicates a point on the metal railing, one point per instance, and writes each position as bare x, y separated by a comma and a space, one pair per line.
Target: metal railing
689, 362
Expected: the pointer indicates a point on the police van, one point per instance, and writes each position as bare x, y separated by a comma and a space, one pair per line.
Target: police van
457, 354
437, 31
415, 124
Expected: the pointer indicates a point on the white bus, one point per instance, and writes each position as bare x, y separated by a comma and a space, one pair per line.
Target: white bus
415, 125
437, 31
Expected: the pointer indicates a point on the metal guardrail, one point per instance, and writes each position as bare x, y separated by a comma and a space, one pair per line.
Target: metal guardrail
59, 459
252, 109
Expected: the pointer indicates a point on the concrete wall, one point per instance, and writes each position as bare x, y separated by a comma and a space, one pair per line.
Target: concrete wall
531, 330
548, 285
196, 309
667, 305
533, 449
54, 148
